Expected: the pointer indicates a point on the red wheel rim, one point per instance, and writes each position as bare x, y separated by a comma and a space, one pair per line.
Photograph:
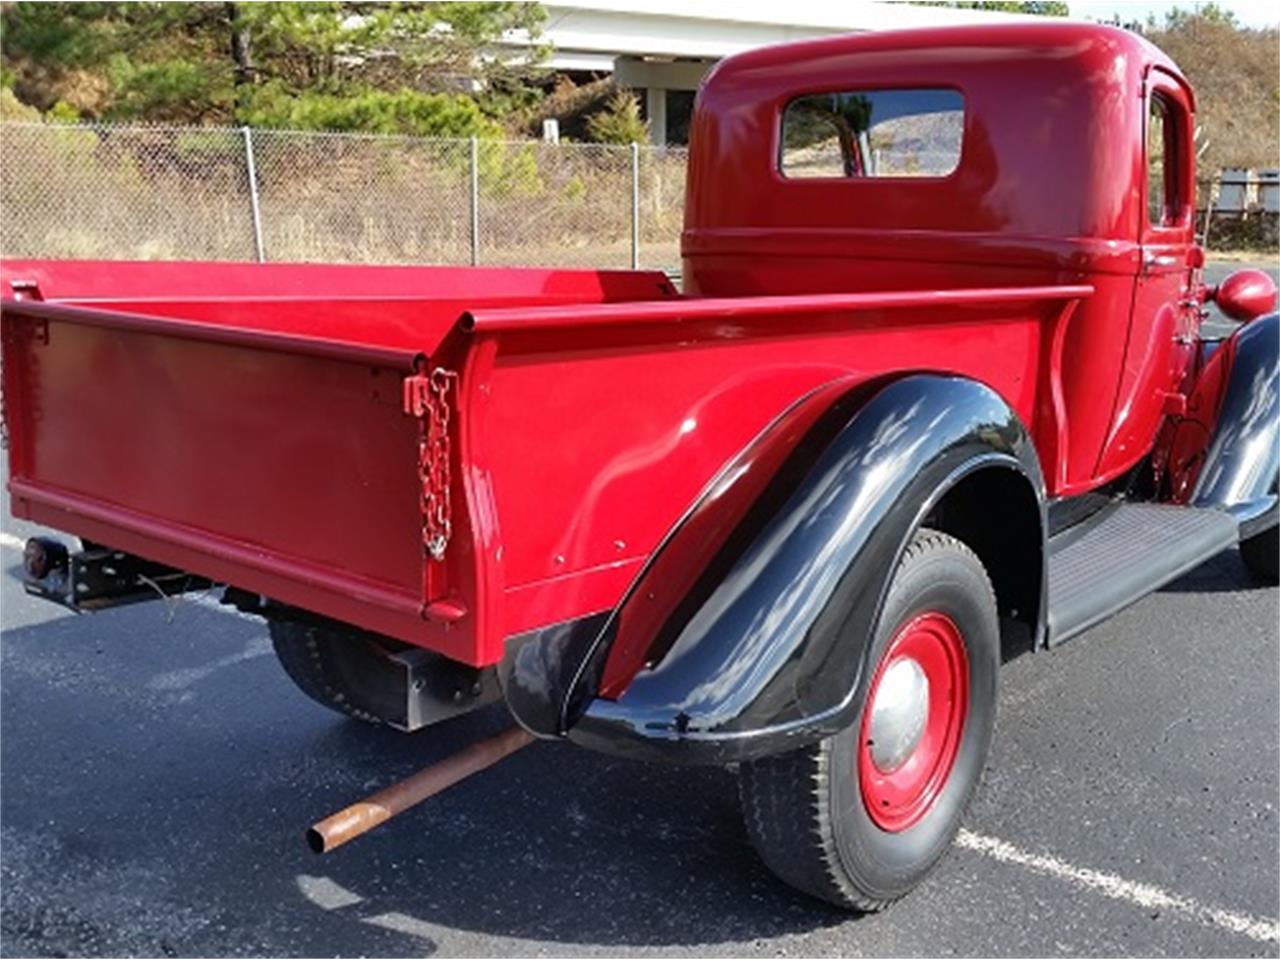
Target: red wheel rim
897, 798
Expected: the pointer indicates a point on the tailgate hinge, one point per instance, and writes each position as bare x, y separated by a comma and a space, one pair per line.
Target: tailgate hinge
26, 290
35, 330
427, 398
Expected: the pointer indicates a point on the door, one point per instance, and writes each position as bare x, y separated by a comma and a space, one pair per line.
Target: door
1164, 318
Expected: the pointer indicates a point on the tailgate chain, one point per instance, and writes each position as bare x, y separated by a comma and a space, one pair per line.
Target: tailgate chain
426, 397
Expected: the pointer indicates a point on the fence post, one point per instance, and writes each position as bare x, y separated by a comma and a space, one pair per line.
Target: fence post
635, 205
253, 194
1208, 213
475, 201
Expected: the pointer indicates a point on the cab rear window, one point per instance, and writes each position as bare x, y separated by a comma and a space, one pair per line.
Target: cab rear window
872, 133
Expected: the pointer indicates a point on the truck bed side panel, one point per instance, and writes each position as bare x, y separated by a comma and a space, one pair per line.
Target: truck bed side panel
587, 443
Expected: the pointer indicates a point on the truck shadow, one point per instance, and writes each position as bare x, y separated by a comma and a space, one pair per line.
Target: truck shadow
560, 845
206, 789
1225, 573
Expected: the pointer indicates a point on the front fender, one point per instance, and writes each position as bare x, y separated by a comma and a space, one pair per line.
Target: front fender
1240, 465
762, 644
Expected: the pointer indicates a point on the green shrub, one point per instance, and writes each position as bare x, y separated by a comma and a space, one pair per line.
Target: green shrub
62, 112
371, 111
619, 121
172, 91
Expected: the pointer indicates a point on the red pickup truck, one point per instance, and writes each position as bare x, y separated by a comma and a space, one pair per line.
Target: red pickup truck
934, 393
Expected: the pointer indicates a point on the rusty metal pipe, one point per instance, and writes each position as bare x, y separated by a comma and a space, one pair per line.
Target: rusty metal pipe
363, 815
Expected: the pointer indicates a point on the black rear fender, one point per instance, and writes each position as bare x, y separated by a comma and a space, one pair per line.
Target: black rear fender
748, 631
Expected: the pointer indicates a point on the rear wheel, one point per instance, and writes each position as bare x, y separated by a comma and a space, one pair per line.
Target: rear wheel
344, 670
1261, 554
859, 818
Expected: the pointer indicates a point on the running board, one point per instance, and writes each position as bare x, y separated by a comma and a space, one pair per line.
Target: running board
1102, 566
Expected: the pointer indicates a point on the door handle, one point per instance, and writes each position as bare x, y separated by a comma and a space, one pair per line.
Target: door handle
1158, 260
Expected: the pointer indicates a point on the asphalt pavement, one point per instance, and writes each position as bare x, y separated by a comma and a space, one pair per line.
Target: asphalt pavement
158, 770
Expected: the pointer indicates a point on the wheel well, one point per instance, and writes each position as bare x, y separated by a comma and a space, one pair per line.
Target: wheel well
996, 513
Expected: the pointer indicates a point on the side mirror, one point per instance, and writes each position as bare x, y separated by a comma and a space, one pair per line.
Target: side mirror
1245, 295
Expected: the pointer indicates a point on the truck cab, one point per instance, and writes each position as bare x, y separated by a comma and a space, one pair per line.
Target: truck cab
1048, 153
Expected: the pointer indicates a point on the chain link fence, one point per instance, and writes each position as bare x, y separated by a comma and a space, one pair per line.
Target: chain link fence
232, 194
1239, 210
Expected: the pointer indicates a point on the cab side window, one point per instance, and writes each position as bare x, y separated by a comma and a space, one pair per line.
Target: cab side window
1164, 204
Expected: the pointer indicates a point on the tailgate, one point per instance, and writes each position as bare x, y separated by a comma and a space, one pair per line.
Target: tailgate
282, 464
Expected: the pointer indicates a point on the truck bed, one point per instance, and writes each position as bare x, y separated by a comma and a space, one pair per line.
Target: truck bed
247, 423
244, 421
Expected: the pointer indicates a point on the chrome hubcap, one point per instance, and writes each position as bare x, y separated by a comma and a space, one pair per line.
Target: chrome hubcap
898, 714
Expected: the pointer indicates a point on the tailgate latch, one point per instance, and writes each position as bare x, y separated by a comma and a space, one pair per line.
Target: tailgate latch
427, 399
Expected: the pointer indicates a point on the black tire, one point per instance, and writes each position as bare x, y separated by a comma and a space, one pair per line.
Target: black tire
1261, 554
805, 811
339, 669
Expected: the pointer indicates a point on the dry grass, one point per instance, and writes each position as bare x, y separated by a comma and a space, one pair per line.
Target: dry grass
174, 193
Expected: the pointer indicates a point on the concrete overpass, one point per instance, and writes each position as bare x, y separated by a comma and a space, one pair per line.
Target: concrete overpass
664, 47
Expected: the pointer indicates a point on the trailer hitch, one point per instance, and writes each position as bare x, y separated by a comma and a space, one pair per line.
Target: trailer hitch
97, 577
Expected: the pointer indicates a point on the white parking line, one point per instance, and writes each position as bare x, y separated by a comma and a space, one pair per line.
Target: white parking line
403, 923
1117, 888
10, 541
329, 895
210, 602
325, 893
181, 679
